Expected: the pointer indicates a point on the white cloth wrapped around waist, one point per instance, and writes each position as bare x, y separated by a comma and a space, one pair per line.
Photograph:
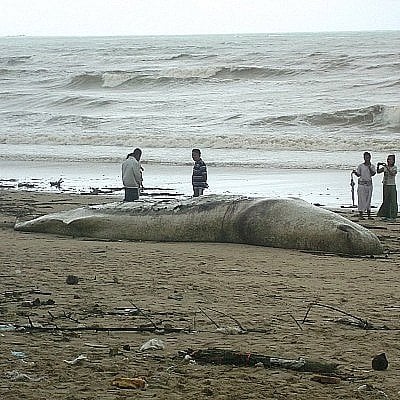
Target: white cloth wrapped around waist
368, 183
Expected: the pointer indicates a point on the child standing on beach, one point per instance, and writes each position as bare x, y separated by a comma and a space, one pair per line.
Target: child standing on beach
199, 176
365, 172
389, 208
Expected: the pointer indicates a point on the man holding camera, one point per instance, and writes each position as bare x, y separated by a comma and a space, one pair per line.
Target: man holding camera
365, 172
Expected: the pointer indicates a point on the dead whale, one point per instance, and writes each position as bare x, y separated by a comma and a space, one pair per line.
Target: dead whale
285, 223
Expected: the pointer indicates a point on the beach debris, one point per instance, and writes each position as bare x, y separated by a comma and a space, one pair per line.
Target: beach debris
96, 345
15, 375
325, 379
188, 359
380, 362
94, 191
57, 184
356, 321
18, 354
126, 347
26, 185
230, 330
232, 357
368, 391
130, 383
72, 280
77, 360
37, 302
226, 330
7, 328
153, 344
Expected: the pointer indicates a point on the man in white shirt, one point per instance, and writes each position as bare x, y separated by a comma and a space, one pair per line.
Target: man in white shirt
365, 172
132, 175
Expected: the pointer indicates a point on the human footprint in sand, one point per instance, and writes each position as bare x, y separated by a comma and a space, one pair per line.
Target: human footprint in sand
365, 172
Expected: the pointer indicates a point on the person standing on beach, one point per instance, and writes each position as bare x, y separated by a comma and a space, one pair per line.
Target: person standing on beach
132, 175
199, 176
365, 172
389, 208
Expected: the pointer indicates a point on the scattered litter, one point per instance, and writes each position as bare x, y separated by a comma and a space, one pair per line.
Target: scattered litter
14, 375
96, 345
37, 302
7, 328
31, 303
368, 391
130, 383
153, 344
230, 330
18, 354
189, 359
27, 363
77, 360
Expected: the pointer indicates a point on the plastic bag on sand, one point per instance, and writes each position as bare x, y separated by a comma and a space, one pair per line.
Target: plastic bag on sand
153, 344
76, 360
14, 375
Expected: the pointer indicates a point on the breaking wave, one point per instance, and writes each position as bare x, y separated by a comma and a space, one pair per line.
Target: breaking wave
376, 115
116, 79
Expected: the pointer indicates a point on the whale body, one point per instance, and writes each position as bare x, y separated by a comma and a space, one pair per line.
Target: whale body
286, 223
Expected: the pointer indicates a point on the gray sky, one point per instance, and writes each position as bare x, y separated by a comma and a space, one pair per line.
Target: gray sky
169, 17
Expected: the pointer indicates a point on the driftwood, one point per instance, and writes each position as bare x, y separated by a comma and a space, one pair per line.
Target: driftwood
34, 328
230, 357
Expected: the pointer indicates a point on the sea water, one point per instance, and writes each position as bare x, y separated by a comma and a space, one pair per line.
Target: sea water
278, 114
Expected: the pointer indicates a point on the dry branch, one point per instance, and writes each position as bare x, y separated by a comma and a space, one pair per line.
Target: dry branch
362, 323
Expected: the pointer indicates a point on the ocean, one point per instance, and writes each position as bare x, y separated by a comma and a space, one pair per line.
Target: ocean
274, 114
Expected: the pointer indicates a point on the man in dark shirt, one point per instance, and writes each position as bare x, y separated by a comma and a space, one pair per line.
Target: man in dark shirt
199, 176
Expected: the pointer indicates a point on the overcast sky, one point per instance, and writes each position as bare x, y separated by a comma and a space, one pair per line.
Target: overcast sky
171, 17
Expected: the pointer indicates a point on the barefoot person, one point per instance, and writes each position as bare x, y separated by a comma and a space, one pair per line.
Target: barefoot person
365, 172
199, 176
389, 207
132, 175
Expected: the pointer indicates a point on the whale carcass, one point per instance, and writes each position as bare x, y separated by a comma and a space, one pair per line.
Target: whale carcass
286, 223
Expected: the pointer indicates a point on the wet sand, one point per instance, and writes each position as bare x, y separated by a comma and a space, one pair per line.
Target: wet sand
196, 287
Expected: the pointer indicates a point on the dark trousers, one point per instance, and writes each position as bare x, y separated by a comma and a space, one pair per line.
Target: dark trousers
131, 194
197, 191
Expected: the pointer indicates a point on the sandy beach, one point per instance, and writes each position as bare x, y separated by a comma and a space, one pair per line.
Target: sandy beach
200, 294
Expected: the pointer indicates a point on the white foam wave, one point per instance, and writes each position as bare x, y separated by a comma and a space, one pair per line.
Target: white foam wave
289, 142
391, 116
115, 79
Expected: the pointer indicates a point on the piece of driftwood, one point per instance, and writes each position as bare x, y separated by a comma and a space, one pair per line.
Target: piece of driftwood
231, 357
35, 328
